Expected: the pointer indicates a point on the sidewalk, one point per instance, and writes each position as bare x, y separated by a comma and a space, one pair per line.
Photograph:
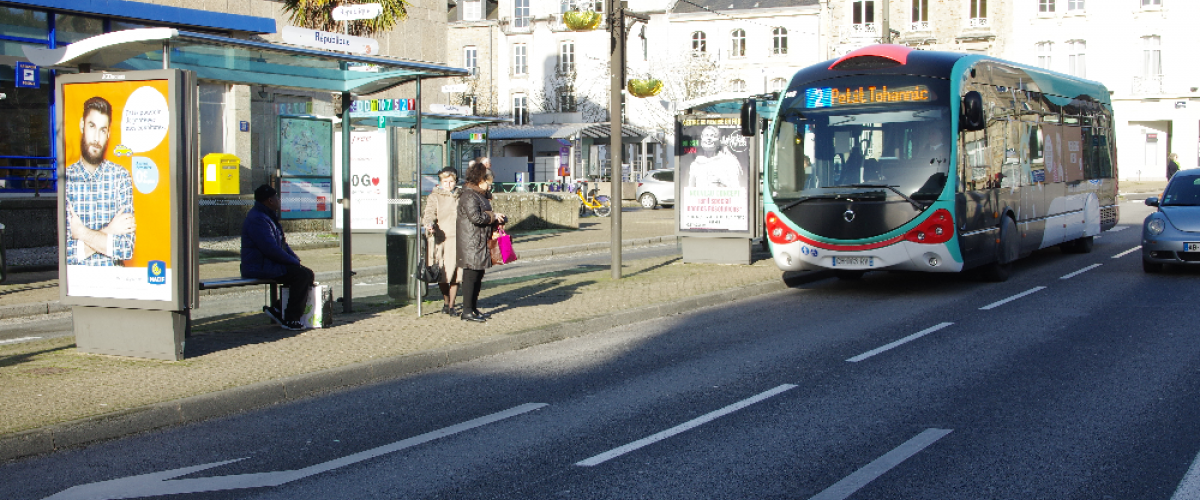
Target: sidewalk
27, 294
55, 397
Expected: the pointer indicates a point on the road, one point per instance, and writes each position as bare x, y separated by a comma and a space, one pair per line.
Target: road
1076, 379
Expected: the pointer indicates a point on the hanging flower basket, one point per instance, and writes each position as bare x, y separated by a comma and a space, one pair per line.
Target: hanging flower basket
581, 20
644, 88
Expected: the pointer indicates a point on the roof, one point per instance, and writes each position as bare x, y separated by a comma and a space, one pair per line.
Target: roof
143, 12
698, 6
237, 60
550, 131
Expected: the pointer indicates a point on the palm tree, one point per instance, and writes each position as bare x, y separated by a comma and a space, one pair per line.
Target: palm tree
318, 15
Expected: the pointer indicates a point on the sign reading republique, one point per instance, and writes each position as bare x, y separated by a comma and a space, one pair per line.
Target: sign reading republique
330, 41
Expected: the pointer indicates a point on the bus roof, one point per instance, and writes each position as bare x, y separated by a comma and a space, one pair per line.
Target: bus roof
890, 59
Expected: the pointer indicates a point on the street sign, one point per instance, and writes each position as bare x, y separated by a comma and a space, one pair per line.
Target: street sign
456, 88
355, 12
450, 109
329, 41
28, 75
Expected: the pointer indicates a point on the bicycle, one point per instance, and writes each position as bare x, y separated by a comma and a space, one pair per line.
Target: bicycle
597, 204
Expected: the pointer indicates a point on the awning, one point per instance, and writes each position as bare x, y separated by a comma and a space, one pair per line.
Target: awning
551, 131
408, 119
239, 61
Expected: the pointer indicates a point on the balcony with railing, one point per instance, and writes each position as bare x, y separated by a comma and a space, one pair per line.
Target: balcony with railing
1148, 85
920, 27
516, 25
859, 31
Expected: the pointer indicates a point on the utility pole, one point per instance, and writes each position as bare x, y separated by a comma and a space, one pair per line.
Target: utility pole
616, 65
885, 24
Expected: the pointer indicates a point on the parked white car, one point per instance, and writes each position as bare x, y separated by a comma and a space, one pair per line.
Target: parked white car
657, 187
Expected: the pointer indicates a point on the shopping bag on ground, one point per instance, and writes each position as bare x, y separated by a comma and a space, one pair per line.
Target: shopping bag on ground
318, 311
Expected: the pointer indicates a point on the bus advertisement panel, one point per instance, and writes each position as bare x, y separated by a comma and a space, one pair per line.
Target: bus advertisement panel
116, 196
714, 172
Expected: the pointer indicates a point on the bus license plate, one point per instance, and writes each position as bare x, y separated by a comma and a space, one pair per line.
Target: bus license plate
1191, 247
853, 261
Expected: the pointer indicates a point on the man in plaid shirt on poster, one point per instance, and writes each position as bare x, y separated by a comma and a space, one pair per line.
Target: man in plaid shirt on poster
100, 221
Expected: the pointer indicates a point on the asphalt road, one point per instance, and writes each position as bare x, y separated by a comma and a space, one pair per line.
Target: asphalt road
1076, 379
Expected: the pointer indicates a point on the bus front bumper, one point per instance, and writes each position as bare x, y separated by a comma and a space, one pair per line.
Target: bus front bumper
901, 256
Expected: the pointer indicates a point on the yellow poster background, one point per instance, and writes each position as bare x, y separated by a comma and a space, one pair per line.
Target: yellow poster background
152, 211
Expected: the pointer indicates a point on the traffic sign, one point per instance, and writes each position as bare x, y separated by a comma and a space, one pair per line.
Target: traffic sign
28, 75
355, 12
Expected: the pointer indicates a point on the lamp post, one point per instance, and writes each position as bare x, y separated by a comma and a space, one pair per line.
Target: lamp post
616, 65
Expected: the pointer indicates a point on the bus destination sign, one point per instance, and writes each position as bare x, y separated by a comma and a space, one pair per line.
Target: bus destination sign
829, 97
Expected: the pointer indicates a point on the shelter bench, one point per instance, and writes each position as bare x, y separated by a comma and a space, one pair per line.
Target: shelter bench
273, 294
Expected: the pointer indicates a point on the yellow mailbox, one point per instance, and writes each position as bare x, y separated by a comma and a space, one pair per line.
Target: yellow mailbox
221, 173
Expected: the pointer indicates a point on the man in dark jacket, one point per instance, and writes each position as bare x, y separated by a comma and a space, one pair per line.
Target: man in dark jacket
266, 255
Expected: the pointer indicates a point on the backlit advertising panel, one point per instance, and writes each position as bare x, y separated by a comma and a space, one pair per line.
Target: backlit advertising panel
119, 223
714, 176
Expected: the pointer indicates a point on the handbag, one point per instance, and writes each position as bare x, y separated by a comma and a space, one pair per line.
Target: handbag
500, 247
427, 273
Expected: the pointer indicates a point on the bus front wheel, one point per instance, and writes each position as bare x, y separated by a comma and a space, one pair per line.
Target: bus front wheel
1006, 252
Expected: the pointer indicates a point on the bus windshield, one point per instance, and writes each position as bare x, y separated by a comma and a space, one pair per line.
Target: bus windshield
891, 149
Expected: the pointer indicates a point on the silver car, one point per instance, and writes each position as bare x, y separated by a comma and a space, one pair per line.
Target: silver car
1172, 234
657, 187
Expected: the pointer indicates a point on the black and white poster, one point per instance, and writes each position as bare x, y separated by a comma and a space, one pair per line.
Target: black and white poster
714, 175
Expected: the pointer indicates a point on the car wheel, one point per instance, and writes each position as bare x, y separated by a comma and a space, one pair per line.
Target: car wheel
648, 200
1151, 267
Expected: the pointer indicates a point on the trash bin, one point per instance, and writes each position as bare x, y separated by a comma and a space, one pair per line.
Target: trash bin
402, 283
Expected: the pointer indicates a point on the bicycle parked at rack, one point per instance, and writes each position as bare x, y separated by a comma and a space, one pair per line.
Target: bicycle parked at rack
593, 202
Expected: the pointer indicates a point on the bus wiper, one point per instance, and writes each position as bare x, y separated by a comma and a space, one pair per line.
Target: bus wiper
917, 205
806, 198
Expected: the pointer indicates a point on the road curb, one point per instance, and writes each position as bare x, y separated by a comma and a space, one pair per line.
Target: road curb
262, 394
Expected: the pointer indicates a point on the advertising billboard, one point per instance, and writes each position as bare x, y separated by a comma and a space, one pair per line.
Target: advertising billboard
714, 176
306, 167
121, 229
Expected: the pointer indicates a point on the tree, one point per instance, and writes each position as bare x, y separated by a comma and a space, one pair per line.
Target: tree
318, 15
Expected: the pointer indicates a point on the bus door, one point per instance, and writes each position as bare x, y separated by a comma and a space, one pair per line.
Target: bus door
976, 200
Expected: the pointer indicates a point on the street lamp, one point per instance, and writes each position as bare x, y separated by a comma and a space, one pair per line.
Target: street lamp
617, 12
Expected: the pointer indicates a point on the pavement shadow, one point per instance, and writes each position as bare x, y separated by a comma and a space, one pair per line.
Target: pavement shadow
551, 291
656, 266
15, 360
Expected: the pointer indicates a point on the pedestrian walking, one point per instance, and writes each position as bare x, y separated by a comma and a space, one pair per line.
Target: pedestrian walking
476, 222
1172, 165
441, 227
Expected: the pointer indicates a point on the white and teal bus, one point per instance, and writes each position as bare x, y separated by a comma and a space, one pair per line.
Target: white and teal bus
896, 159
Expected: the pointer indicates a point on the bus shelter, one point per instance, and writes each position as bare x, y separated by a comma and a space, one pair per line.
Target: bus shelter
151, 281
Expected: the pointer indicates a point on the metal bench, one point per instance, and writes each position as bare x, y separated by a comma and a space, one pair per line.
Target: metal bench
273, 294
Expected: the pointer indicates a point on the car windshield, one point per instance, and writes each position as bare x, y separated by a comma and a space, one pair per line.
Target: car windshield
893, 150
1183, 191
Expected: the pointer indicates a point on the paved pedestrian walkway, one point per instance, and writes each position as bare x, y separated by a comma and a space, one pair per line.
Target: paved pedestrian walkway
56, 397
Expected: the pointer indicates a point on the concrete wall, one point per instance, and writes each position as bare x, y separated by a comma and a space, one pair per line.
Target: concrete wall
531, 211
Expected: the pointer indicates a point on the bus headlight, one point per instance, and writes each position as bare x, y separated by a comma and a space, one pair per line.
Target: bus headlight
1155, 226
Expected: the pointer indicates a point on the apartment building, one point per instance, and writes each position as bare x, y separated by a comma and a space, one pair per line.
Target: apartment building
1138, 49
977, 26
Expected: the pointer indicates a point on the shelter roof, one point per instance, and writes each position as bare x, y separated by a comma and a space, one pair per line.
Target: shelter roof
237, 60
429, 121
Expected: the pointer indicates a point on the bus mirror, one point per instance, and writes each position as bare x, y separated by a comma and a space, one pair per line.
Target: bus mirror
972, 112
749, 117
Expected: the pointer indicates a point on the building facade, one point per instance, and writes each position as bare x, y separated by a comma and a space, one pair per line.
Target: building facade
531, 67
1136, 48
977, 26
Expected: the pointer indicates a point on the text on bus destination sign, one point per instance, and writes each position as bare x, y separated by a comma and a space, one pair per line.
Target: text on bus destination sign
829, 97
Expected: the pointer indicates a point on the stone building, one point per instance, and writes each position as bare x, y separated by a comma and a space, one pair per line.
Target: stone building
978, 26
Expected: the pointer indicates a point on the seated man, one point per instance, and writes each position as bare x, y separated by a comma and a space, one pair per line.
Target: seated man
266, 255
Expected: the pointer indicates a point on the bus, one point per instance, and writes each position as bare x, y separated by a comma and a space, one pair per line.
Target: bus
895, 159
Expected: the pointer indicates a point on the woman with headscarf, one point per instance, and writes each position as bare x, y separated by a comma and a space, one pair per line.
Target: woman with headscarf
441, 226
476, 221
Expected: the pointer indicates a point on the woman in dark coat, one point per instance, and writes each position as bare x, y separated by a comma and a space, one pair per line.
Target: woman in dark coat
476, 221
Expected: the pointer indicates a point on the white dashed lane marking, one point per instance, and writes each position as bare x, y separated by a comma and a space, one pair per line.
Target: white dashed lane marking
996, 304
854, 482
1127, 252
898, 343
1081, 271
